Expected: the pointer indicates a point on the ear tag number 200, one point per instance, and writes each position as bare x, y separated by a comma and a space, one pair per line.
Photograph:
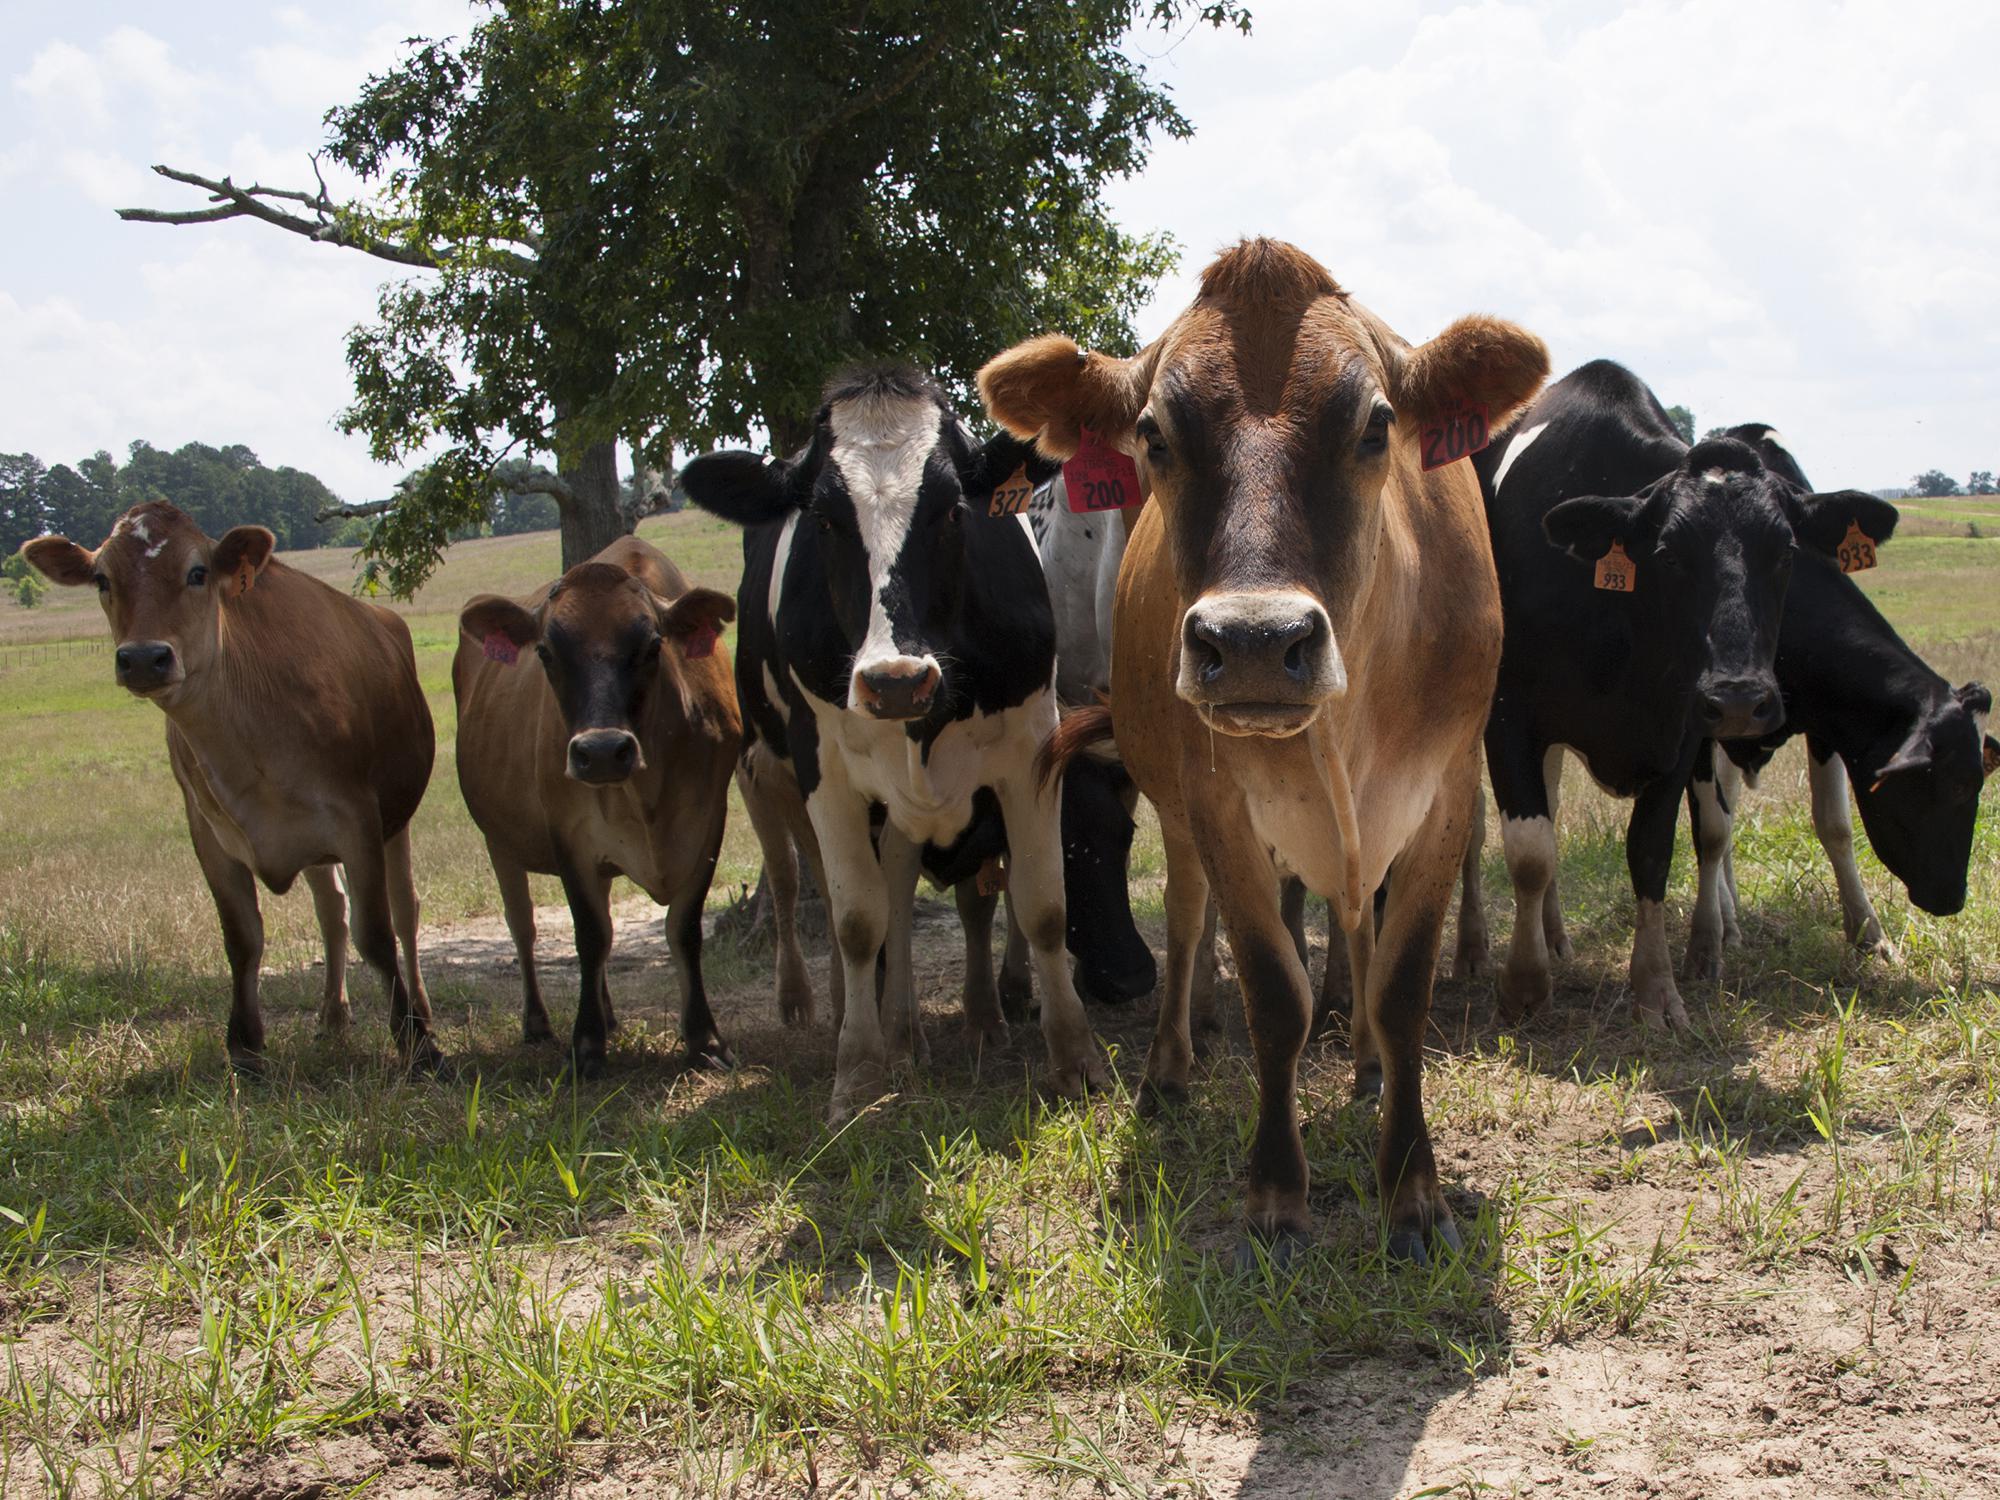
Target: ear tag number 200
1100, 478
1460, 432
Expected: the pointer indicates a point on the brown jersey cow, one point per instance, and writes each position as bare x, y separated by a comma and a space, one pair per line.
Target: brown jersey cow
612, 757
1306, 636
299, 736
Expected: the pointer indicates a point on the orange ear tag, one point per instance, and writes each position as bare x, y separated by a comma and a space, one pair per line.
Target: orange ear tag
1856, 551
992, 877
245, 576
1012, 497
1616, 571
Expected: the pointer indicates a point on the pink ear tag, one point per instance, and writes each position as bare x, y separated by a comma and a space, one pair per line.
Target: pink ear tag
1100, 477
499, 648
700, 641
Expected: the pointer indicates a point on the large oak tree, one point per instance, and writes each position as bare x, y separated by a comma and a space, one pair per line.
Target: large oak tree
663, 222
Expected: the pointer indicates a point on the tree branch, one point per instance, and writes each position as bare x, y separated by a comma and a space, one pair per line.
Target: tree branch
329, 224
516, 476
883, 92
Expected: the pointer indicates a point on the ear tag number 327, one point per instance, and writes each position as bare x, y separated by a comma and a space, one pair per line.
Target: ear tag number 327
1856, 551
1615, 571
1100, 477
1013, 495
1461, 432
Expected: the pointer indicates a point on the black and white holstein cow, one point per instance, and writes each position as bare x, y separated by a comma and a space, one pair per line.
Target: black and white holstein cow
904, 647
1868, 706
1657, 632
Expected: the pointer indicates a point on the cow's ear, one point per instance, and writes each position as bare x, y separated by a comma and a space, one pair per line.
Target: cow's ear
503, 628
1587, 526
1486, 361
240, 556
994, 461
1821, 521
747, 488
1974, 698
695, 619
60, 560
1049, 390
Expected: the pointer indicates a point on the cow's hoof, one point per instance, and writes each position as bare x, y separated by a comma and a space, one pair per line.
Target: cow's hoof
1518, 996
1368, 1079
1703, 959
535, 1033
854, 1090
334, 1025
710, 1056
796, 1011
1075, 1079
1161, 1096
253, 1066
1277, 1250
1469, 961
984, 1036
586, 1067
1017, 996
426, 1058
1561, 949
611, 1021
1659, 1007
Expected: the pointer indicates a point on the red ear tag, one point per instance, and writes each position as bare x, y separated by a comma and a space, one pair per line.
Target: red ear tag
700, 641
1856, 551
1012, 497
1100, 477
992, 877
1460, 432
499, 648
1616, 571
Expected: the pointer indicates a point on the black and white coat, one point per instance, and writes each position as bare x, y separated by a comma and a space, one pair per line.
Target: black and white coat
897, 651
1867, 704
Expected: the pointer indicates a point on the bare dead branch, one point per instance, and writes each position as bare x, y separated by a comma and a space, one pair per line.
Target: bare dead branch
345, 512
329, 223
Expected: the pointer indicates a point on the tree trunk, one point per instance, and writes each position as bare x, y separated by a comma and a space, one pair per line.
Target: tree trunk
593, 520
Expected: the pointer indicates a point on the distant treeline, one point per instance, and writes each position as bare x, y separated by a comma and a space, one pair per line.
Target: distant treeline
219, 487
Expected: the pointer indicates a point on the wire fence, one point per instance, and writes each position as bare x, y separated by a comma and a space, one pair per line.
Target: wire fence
37, 653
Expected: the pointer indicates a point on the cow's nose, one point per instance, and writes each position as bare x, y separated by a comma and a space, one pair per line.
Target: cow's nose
143, 664
603, 756
1281, 645
899, 689
1739, 709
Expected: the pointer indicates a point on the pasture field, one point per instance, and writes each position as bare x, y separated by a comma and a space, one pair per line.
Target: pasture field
1761, 1260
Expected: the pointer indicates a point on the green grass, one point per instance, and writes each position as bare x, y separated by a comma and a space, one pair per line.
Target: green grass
684, 1284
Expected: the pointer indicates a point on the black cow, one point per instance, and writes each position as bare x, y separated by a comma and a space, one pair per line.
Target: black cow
898, 651
1657, 631
1869, 706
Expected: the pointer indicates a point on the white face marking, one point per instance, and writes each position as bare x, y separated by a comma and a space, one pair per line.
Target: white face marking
1715, 476
137, 526
880, 446
779, 560
1773, 437
1515, 449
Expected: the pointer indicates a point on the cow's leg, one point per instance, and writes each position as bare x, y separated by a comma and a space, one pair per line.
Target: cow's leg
1035, 889
703, 1038
404, 912
330, 906
589, 896
235, 891
1277, 1004
1292, 906
1359, 949
984, 1025
1834, 823
366, 865
1729, 786
1113, 963
518, 902
763, 800
1649, 855
1528, 838
1333, 1011
1398, 990
858, 908
1554, 935
1017, 980
1202, 1012
1712, 819
1190, 918
902, 1026
1468, 958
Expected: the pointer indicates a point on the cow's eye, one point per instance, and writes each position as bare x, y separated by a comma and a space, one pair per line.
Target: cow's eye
1156, 443
823, 520
103, 583
956, 515
650, 652
1375, 436
542, 650
197, 576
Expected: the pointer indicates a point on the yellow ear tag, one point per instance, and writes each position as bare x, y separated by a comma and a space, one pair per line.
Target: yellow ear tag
1012, 497
1856, 551
245, 576
1616, 571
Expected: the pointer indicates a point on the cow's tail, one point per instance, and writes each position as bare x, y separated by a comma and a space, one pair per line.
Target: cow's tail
1075, 732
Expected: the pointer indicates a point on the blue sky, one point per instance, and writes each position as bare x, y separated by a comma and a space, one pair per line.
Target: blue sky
1781, 211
